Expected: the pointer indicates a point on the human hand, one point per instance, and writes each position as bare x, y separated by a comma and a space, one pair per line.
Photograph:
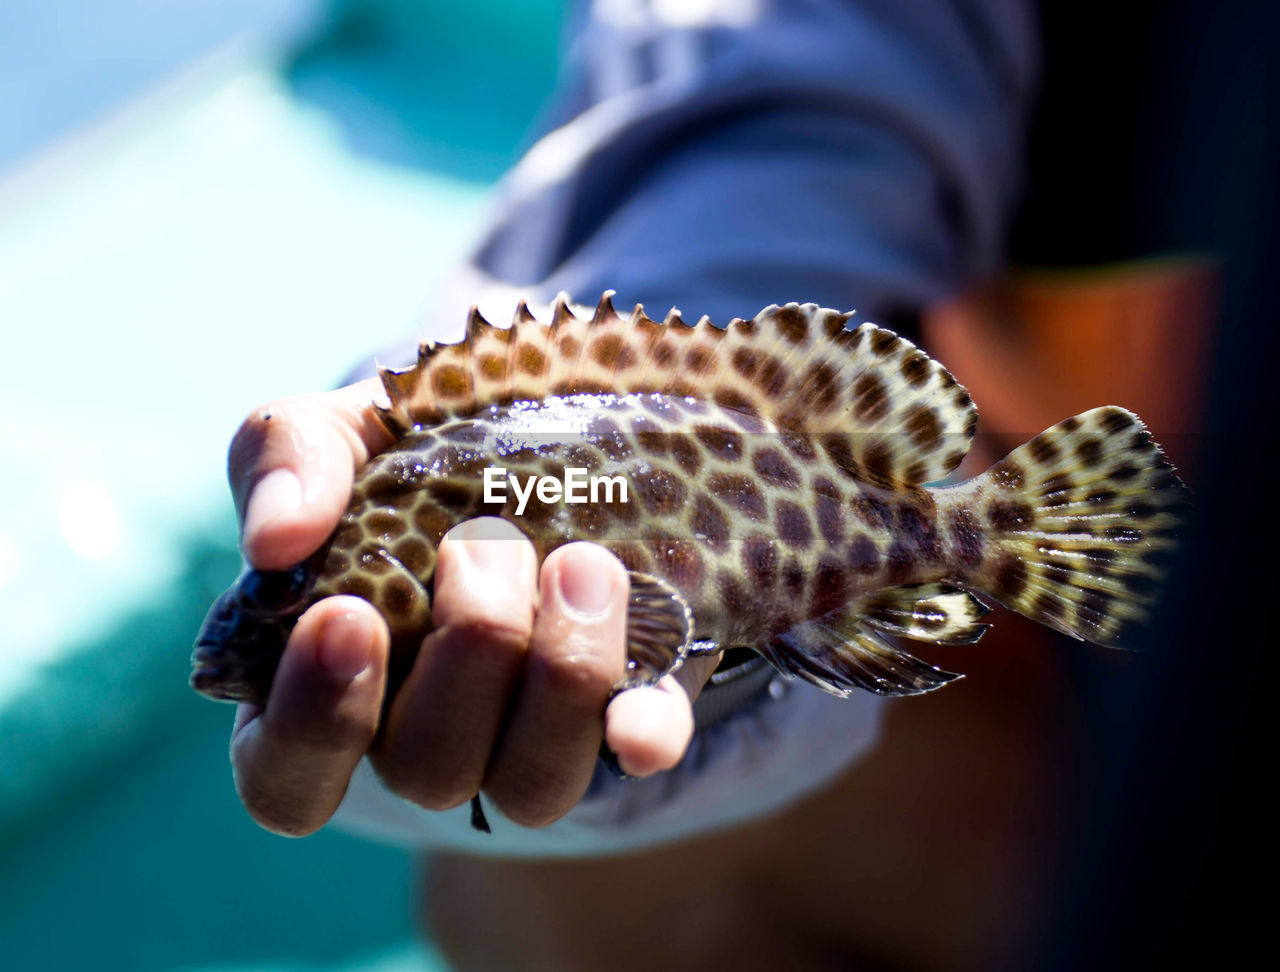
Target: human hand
508, 694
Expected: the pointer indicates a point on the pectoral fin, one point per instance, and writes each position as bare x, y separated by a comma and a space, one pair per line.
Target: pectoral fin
659, 631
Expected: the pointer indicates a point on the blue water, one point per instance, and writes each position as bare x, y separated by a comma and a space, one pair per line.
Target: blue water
203, 206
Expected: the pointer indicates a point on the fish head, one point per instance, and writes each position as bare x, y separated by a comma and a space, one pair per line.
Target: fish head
244, 634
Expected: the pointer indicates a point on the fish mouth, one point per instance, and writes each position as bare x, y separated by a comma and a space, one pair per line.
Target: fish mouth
236, 653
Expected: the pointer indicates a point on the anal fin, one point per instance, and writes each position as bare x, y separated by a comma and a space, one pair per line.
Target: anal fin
840, 652
926, 612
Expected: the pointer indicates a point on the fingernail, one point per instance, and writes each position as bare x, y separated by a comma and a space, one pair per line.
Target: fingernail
279, 491
586, 585
491, 550
345, 646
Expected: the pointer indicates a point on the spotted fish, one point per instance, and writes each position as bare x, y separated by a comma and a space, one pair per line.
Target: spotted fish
776, 498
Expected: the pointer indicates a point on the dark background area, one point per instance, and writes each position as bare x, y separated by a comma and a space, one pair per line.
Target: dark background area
1158, 134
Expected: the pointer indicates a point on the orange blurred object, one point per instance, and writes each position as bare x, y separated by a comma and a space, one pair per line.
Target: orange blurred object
1047, 344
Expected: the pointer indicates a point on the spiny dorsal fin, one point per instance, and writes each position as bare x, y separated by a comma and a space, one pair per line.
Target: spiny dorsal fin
885, 411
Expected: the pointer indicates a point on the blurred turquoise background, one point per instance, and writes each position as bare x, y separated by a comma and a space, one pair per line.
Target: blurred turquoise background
203, 205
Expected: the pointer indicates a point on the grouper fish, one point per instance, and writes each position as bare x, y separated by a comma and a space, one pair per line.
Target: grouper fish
766, 484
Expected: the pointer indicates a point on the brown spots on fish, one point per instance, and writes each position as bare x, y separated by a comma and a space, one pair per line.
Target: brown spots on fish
829, 510
709, 523
878, 462
1008, 475
493, 367
720, 442
1089, 452
1124, 474
918, 531
794, 528
883, 342
336, 562
663, 354
745, 361
774, 469
450, 381
864, 555
1097, 603
380, 484
870, 398
821, 392
570, 347
384, 524
873, 511
583, 457
1006, 515
840, 450
1059, 574
432, 521
1141, 511
966, 536
1056, 490
738, 492
1070, 425
686, 454
772, 376
698, 358
900, 561
915, 369
924, 427
531, 361
791, 324
355, 584
1043, 450
589, 519
605, 350
416, 554
373, 562
1010, 577
833, 322
661, 491
451, 493
734, 597
634, 557
398, 598
759, 560
1100, 497
1049, 606
349, 533
1117, 421
794, 578
799, 445
650, 441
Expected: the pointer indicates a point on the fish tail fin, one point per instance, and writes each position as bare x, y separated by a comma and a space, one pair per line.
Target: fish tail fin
1076, 528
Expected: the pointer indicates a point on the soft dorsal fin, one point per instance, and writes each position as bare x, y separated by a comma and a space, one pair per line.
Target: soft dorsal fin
886, 412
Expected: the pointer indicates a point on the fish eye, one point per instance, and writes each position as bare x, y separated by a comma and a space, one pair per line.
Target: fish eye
273, 592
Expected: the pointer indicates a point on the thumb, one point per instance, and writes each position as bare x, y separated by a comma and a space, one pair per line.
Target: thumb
291, 466
649, 727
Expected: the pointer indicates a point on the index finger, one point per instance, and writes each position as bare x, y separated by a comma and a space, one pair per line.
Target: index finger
291, 465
